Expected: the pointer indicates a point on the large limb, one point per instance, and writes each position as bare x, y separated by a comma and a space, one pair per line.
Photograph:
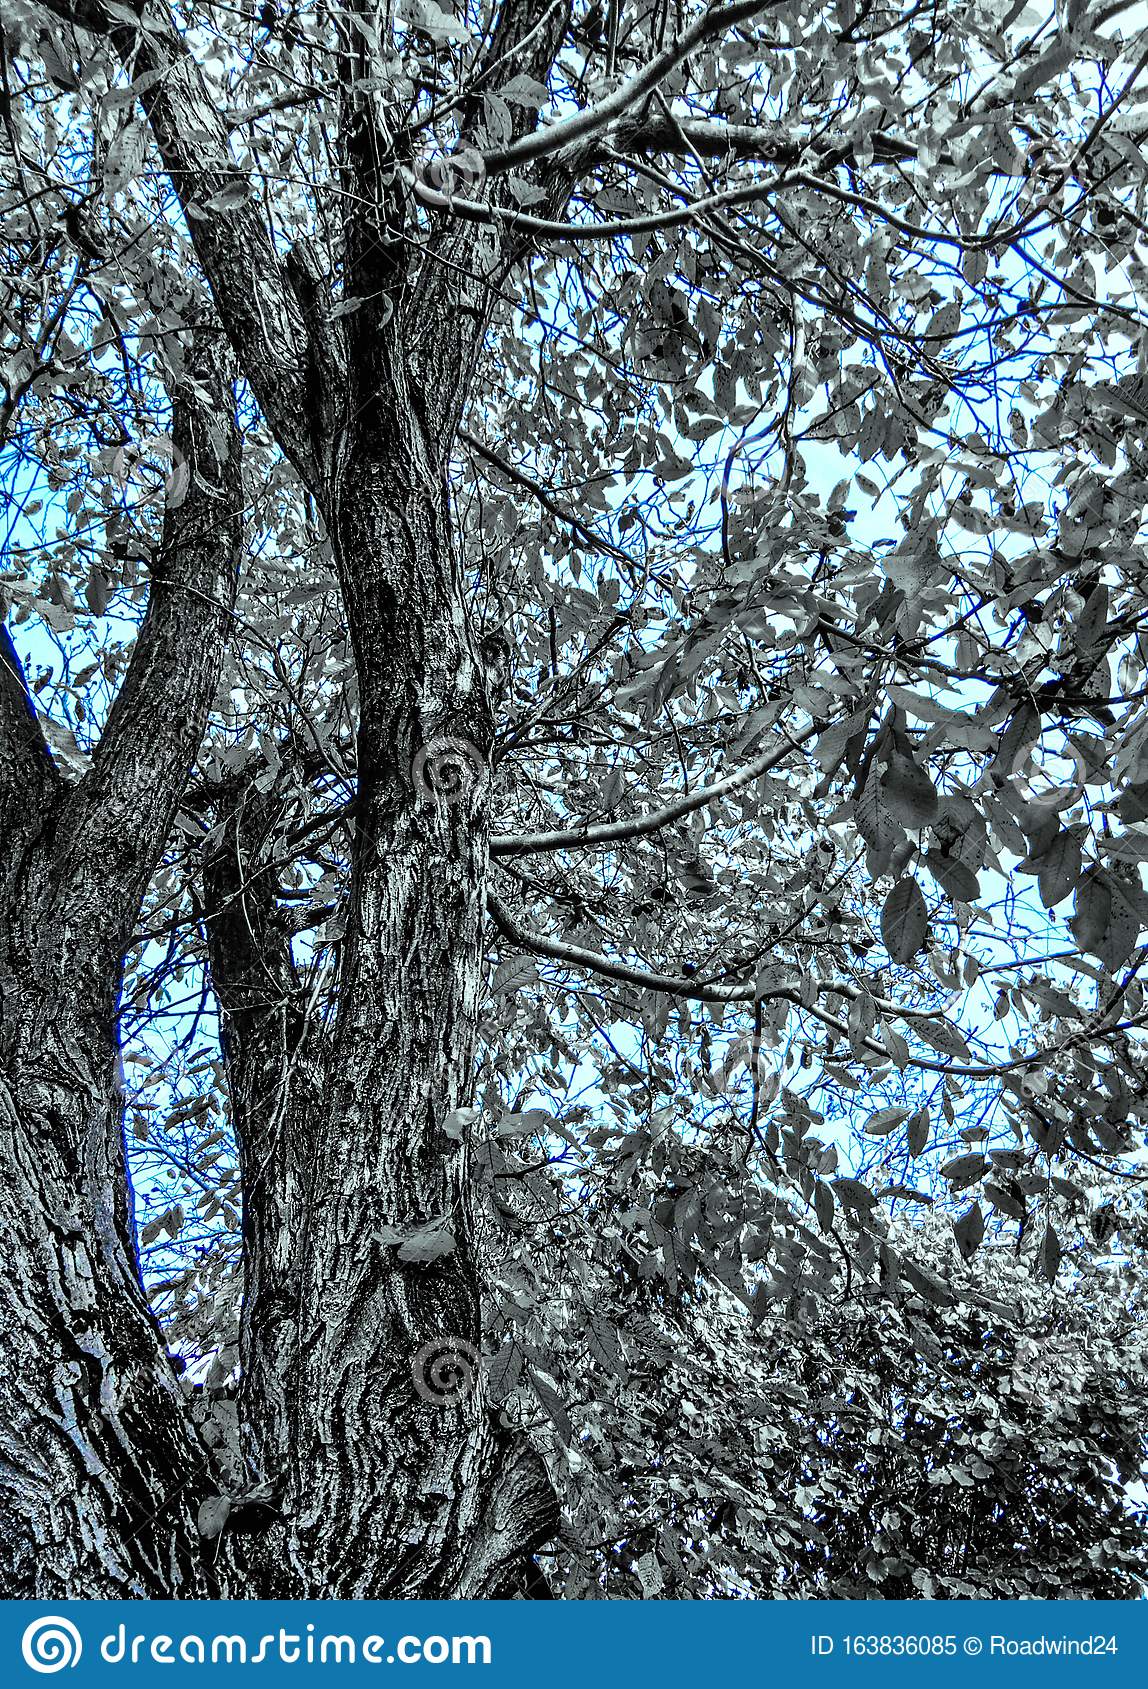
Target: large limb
99, 1469
115, 821
273, 1054
257, 304
546, 140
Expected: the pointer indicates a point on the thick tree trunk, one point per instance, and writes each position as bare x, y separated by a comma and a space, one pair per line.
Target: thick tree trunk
389, 1477
99, 1466
386, 1475
397, 1480
97, 1460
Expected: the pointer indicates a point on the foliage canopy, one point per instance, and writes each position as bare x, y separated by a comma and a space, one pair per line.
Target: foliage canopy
782, 367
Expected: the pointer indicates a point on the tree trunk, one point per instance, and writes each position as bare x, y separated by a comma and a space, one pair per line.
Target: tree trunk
98, 1460
362, 1392
366, 1465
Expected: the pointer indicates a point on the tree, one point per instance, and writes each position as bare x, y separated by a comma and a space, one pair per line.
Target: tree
687, 538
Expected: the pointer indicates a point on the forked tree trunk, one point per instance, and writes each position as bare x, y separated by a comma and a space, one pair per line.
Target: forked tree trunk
374, 1474
362, 1468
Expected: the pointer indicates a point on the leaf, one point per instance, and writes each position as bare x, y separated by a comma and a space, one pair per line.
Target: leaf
918, 1132
124, 157
504, 1370
909, 792
1092, 619
1005, 1201
230, 197
964, 1170
823, 1205
1106, 923
456, 1123
854, 1194
886, 1120
932, 1288
969, 1231
649, 1574
1023, 730
213, 1514
1059, 868
604, 1347
1048, 1260
896, 1046
526, 1124
612, 789
427, 1243
940, 1034
552, 1402
956, 879
523, 90
666, 682
904, 920
429, 16
944, 321
513, 974
876, 822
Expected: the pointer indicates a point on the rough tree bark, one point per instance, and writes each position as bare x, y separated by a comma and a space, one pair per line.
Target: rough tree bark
370, 1488
97, 1456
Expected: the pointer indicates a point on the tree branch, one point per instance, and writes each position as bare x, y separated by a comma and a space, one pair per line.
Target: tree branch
555, 136
115, 821
597, 542
673, 985
611, 832
275, 1084
232, 241
713, 138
